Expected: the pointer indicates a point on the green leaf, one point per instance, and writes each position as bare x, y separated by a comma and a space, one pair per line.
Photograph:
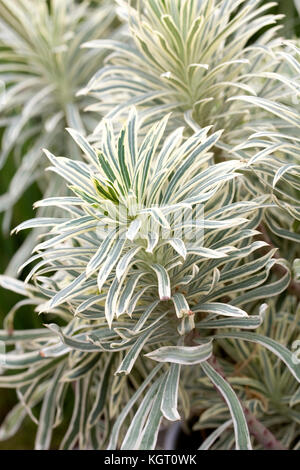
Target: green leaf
122, 416
242, 437
102, 391
124, 262
12, 421
44, 433
133, 436
128, 362
110, 260
101, 253
181, 306
164, 288
251, 322
170, 394
149, 434
220, 309
84, 145
89, 362
208, 442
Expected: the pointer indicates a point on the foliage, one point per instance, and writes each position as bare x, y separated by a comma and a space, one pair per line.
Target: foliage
168, 274
195, 59
42, 68
132, 273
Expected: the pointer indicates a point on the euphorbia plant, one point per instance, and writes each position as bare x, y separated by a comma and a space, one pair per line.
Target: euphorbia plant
136, 281
265, 386
200, 60
171, 266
